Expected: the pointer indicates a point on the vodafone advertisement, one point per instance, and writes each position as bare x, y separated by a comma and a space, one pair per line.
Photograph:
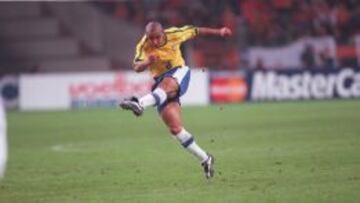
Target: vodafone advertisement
100, 89
107, 91
64, 91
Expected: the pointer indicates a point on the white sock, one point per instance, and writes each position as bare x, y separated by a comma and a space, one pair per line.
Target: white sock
147, 100
187, 141
159, 95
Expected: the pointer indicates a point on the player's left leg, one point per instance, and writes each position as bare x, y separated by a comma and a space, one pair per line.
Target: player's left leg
171, 115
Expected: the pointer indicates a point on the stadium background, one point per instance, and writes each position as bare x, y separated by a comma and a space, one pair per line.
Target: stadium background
69, 55
320, 37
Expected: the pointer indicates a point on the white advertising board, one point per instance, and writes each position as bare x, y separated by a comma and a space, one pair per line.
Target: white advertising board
64, 91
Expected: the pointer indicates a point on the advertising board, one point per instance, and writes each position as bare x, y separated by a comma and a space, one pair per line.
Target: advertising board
97, 89
302, 85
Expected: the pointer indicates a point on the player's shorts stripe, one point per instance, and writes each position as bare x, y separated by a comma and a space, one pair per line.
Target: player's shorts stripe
180, 73
187, 142
182, 77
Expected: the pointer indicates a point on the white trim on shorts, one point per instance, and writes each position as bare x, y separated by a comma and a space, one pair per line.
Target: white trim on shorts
180, 73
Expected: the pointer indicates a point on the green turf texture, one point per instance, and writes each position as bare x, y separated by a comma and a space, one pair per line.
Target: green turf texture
266, 152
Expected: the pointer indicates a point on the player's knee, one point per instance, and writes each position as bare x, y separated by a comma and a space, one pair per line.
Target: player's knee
172, 94
175, 130
169, 85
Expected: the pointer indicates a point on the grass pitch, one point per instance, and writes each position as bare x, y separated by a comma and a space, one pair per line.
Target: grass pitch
270, 152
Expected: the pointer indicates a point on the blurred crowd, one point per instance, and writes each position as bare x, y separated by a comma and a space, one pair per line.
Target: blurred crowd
255, 22
265, 22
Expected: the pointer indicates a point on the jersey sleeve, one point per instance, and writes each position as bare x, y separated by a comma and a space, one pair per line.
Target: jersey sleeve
184, 33
139, 52
188, 32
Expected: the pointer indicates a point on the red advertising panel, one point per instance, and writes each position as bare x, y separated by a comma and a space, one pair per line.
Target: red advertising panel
228, 88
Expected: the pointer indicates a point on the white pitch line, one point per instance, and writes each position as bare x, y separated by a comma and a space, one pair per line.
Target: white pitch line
57, 147
64, 148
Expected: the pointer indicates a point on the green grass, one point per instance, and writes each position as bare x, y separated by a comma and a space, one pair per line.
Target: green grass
270, 152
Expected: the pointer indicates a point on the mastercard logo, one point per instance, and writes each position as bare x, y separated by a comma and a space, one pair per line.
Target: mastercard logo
228, 90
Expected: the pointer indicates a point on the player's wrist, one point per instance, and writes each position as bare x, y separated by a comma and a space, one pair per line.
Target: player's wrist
225, 32
219, 32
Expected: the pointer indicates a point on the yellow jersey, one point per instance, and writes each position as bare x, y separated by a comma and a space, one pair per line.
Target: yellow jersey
169, 54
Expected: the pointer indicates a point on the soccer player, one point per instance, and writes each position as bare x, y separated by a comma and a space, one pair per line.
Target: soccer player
159, 52
3, 142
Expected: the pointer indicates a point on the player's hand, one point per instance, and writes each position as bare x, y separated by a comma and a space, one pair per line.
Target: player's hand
225, 32
153, 59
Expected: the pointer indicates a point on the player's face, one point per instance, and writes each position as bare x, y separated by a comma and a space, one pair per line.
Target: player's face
156, 38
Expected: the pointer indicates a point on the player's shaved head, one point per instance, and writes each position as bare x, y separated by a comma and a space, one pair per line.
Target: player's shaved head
153, 27
155, 33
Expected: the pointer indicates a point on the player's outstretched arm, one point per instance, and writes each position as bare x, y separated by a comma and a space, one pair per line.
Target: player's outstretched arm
222, 32
140, 66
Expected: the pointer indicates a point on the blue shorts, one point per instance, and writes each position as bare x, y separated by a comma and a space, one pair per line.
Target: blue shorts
182, 76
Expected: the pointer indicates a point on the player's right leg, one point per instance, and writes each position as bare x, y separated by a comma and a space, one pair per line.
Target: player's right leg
171, 84
166, 89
